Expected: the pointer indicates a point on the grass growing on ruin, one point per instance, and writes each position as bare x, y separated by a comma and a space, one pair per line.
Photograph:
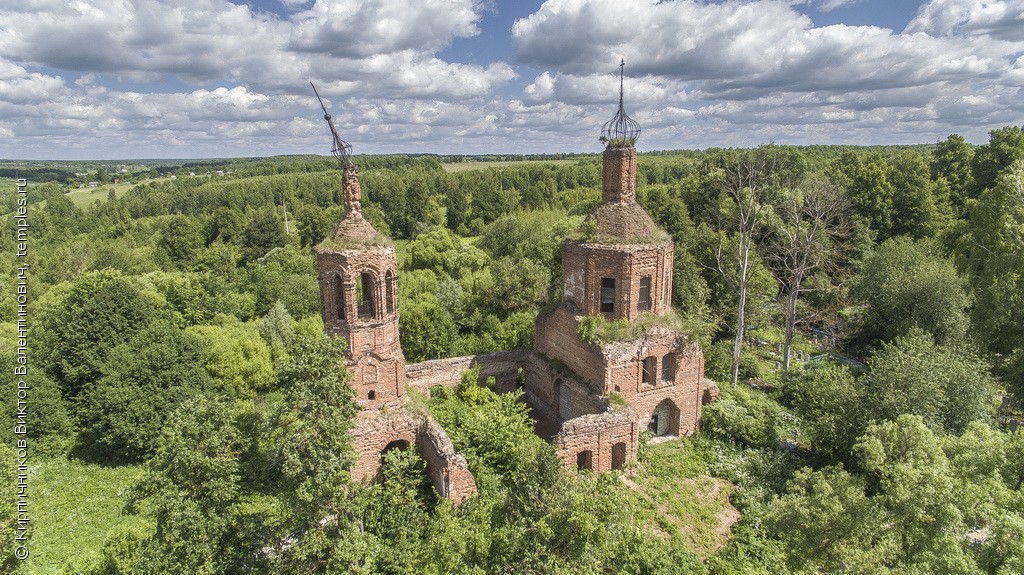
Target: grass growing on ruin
75, 507
597, 329
676, 498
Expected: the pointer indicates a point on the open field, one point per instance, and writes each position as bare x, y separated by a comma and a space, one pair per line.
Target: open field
83, 197
76, 506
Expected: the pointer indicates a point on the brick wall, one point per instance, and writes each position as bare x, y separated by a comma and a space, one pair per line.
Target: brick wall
347, 266
351, 191
556, 338
584, 266
619, 175
373, 431
599, 434
684, 390
502, 365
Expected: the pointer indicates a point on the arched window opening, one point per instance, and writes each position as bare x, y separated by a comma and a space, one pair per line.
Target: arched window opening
389, 289
618, 455
585, 460
650, 365
364, 295
396, 444
337, 291
371, 395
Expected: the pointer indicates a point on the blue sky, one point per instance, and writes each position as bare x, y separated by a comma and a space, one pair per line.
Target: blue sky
112, 79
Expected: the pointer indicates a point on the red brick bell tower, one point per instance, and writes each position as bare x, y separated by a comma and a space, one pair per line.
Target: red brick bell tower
358, 275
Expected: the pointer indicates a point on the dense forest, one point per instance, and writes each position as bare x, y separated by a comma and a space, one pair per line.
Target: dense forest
861, 308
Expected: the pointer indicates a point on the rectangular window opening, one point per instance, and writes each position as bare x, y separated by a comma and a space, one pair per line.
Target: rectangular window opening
667, 368
644, 302
607, 295
364, 295
650, 365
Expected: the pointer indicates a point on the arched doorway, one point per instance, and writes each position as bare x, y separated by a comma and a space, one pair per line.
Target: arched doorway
585, 460
396, 444
664, 420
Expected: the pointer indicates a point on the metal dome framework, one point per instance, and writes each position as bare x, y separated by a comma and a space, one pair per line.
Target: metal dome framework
621, 130
342, 149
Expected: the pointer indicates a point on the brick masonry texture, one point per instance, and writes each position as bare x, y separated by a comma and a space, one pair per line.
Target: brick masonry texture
375, 431
585, 265
567, 383
618, 177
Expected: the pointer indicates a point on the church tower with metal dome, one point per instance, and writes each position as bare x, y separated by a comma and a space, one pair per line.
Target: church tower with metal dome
614, 332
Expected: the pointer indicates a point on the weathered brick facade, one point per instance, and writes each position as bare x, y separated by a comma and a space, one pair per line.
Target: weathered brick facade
358, 275
591, 401
622, 273
618, 176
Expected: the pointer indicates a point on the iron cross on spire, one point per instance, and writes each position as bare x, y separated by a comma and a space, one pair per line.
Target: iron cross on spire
622, 74
342, 149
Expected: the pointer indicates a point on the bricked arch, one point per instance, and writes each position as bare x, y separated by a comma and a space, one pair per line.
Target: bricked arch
664, 420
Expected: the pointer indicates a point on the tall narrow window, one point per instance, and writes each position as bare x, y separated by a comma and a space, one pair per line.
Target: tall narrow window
389, 288
364, 295
585, 460
618, 455
644, 302
650, 365
607, 295
667, 367
337, 289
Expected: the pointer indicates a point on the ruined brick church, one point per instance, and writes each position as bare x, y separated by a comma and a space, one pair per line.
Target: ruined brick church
591, 400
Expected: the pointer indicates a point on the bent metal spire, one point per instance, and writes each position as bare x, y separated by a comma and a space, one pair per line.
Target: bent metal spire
342, 150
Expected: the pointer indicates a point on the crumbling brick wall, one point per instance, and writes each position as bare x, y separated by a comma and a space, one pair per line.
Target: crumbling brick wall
373, 431
448, 470
503, 366
559, 394
683, 390
375, 357
556, 338
618, 175
584, 265
599, 442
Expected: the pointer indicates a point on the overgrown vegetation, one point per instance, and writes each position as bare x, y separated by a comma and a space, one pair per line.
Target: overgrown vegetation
189, 416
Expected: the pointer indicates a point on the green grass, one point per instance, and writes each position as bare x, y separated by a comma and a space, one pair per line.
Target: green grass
463, 166
75, 506
676, 498
83, 197
598, 329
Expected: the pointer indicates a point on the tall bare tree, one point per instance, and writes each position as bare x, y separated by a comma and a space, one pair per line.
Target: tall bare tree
810, 220
749, 185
